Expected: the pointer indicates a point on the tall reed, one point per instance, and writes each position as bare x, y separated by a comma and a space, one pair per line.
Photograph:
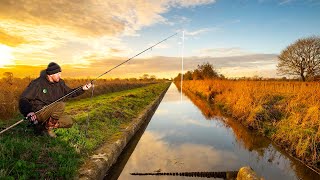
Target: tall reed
286, 112
10, 91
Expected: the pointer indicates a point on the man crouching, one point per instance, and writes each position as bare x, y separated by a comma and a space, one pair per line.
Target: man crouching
43, 91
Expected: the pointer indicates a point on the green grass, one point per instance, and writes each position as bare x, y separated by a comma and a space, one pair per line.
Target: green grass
26, 156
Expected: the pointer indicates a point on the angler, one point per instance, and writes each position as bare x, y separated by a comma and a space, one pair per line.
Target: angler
36, 102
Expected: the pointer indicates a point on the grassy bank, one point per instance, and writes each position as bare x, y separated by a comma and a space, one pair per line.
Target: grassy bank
11, 89
286, 112
25, 156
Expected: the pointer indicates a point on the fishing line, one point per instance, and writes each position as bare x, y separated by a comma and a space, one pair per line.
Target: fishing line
182, 58
134, 56
92, 81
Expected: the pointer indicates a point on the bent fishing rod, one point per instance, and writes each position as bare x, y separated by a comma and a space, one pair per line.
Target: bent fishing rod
80, 87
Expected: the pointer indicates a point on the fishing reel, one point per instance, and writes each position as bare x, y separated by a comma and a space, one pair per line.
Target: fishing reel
31, 123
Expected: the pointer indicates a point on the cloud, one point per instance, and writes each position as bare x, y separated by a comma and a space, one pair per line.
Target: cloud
197, 32
190, 3
11, 40
161, 66
75, 31
182, 19
84, 17
282, 2
92, 17
234, 66
200, 123
36, 42
177, 157
222, 52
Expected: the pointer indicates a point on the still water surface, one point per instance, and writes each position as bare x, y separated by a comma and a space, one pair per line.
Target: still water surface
185, 134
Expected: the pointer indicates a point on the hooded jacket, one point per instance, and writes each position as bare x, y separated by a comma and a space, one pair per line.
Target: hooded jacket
41, 92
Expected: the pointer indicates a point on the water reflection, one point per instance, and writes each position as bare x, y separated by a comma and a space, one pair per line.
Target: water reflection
250, 140
185, 136
162, 156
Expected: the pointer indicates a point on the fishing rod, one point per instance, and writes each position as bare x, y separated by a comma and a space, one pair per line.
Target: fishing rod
223, 174
80, 87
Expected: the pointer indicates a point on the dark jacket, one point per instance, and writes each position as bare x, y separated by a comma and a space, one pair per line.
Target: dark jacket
41, 92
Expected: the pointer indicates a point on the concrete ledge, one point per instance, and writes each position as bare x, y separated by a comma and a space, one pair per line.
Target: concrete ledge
97, 165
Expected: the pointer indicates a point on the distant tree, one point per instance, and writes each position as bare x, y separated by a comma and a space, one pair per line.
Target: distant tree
178, 78
207, 71
187, 75
204, 71
153, 77
145, 77
301, 58
133, 79
256, 78
8, 77
196, 75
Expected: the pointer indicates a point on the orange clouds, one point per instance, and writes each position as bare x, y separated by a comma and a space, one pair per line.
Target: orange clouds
92, 17
83, 17
161, 66
10, 40
88, 37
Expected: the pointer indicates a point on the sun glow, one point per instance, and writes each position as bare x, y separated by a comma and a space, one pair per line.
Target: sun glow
6, 56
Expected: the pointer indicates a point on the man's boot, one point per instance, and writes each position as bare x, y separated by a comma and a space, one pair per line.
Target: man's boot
49, 132
50, 125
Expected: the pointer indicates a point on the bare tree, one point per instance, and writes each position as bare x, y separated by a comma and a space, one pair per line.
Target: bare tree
301, 58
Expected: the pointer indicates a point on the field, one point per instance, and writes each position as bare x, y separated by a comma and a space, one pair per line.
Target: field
286, 112
11, 89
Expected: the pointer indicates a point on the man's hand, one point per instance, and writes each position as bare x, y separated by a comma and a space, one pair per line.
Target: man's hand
32, 116
87, 86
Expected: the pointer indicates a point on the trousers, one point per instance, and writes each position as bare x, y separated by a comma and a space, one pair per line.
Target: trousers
55, 111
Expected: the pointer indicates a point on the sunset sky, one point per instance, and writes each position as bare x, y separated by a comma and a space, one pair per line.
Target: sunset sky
239, 37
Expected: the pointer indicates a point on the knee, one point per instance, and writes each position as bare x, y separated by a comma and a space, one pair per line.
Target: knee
67, 125
70, 123
60, 105
65, 122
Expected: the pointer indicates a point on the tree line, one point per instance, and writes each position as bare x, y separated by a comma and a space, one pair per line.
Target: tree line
203, 71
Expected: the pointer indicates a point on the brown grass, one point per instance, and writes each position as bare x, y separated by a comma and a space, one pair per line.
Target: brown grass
286, 112
10, 91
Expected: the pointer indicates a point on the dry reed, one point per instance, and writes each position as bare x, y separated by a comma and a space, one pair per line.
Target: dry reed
286, 112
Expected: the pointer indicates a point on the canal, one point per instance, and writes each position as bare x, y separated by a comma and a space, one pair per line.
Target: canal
186, 135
